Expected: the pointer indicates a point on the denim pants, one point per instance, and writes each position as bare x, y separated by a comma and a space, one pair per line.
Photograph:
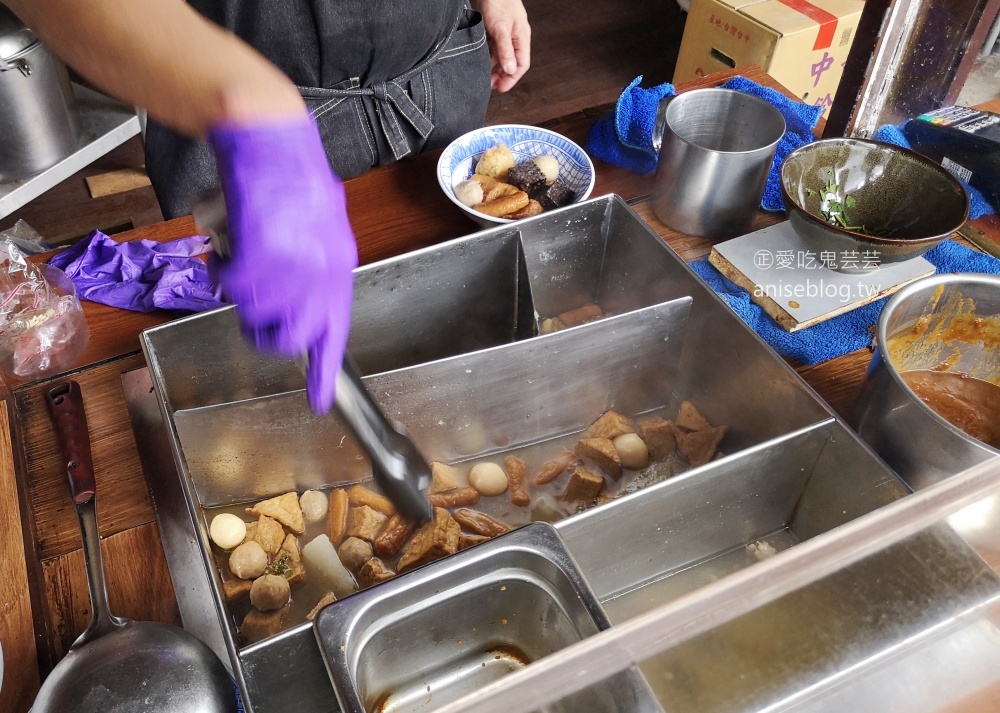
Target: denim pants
365, 120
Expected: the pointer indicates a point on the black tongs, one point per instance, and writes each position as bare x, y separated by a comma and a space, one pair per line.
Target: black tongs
400, 471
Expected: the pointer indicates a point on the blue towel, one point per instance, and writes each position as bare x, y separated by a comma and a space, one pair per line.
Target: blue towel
978, 205
842, 334
625, 137
800, 120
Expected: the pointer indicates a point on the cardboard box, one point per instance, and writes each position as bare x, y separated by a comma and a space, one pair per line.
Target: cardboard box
803, 44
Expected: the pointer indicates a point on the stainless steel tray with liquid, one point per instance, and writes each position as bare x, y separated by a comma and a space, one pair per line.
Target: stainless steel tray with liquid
447, 339
426, 637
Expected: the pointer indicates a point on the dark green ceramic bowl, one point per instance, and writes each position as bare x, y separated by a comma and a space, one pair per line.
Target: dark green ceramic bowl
910, 201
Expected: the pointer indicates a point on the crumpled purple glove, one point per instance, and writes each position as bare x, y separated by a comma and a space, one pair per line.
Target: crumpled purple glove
141, 275
292, 250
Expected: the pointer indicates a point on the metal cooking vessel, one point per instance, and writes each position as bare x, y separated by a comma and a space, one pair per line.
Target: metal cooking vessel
37, 109
715, 149
921, 446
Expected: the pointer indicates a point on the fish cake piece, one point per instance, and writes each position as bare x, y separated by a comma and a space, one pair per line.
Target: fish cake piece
251, 532
698, 447
502, 207
660, 437
360, 495
529, 211
689, 418
392, 536
235, 589
365, 523
284, 508
373, 572
326, 599
556, 467
581, 315
294, 571
584, 485
259, 625
496, 161
602, 452
517, 475
480, 523
336, 516
291, 546
461, 497
485, 181
610, 425
445, 477
269, 534
468, 540
499, 190
436, 539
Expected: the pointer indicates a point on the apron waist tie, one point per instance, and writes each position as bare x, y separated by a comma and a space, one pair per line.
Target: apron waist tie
394, 104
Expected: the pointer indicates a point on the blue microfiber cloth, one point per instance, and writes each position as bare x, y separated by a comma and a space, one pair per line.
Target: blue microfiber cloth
624, 138
842, 334
978, 205
800, 120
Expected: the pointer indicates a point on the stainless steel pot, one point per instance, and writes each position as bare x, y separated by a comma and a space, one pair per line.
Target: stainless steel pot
715, 149
921, 446
38, 116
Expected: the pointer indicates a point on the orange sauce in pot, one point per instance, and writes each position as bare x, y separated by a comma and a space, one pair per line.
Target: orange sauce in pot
972, 405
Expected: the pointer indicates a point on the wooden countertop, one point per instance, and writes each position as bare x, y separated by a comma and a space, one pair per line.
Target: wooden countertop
44, 596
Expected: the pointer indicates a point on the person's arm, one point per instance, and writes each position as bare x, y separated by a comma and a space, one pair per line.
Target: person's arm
187, 72
509, 36
291, 244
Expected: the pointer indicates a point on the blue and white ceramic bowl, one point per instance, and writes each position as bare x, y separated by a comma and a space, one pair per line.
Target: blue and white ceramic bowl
458, 161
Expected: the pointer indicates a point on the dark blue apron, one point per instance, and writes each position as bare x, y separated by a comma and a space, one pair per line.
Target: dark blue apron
383, 79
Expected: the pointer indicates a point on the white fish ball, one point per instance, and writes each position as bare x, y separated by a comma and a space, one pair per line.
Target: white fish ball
469, 193
488, 478
314, 505
248, 561
632, 451
227, 530
549, 166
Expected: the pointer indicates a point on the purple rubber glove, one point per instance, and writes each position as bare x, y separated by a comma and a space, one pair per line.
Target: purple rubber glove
292, 250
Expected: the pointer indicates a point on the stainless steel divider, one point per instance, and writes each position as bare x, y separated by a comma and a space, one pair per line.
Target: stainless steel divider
576, 667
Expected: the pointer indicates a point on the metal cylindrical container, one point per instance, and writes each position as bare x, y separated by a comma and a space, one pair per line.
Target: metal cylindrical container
38, 116
920, 445
715, 148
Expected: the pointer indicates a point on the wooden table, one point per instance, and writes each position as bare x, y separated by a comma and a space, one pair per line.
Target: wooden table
43, 594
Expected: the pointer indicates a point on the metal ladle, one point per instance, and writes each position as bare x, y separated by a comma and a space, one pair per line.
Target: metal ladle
118, 665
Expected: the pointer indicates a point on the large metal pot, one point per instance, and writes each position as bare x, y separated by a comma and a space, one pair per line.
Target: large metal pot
38, 116
921, 446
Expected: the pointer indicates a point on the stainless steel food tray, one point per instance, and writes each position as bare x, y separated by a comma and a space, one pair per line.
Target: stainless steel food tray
446, 337
429, 636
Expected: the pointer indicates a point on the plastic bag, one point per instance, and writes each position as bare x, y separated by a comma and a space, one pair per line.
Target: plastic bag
42, 327
28, 240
